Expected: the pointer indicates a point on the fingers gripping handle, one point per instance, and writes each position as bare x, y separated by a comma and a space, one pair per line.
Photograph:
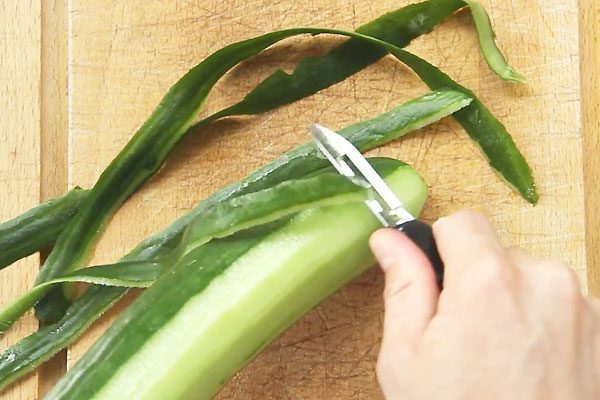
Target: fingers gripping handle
422, 235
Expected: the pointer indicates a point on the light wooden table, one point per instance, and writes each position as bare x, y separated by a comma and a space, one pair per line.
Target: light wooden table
78, 76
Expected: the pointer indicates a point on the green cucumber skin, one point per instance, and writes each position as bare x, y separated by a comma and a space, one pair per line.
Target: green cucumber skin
37, 228
399, 27
323, 187
500, 149
253, 287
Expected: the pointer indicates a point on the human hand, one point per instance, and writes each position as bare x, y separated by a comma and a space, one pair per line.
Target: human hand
506, 326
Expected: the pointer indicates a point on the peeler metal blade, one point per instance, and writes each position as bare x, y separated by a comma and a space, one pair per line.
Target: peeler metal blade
348, 161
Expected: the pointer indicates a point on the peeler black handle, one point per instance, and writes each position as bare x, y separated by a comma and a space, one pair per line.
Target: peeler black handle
422, 235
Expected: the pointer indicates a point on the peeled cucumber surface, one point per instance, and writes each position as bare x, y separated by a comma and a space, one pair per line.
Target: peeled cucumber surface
226, 300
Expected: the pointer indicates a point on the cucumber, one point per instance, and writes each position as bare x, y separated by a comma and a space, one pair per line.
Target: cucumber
224, 301
27, 354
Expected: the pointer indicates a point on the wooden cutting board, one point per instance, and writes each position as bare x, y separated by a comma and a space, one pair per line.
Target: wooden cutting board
78, 77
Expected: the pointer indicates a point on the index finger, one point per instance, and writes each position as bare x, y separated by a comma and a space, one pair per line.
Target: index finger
468, 247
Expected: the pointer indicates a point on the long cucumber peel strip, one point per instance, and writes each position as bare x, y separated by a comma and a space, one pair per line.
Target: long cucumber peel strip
128, 274
223, 219
492, 55
37, 228
397, 28
149, 147
289, 197
485, 129
40, 346
224, 301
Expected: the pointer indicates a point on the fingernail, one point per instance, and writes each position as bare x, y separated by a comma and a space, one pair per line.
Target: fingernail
384, 252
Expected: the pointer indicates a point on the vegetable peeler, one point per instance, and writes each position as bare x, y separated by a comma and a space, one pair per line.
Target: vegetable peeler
386, 206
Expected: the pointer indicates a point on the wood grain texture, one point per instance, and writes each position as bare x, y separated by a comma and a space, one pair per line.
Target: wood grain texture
126, 54
53, 135
20, 26
590, 102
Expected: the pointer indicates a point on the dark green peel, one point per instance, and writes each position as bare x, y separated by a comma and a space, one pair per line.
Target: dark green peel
126, 274
38, 228
143, 156
313, 74
149, 147
481, 125
491, 53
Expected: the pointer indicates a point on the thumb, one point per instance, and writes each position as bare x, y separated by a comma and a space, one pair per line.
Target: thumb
411, 293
